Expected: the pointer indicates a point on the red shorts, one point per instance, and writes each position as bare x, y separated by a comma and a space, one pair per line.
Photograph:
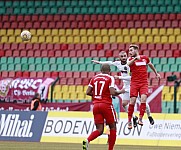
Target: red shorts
138, 88
104, 112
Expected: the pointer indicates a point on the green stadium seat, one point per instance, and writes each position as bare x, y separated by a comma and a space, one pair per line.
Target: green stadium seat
16, 4
17, 60
4, 67
163, 9
53, 67
31, 10
170, 9
75, 67
148, 9
106, 10
158, 67
156, 61
134, 9
10, 60
146, 3
174, 68
97, 67
52, 60
22, 4
46, 10
46, 67
82, 67
171, 60
73, 60
110, 59
37, 4
127, 10
8, 3
59, 3
17, 67
90, 67
66, 60
45, 60
30, 3
31, 60
25, 67
11, 67
88, 60
118, 3
155, 9
24, 60
69, 10
98, 3
77, 10
103, 59
178, 60
60, 67
24, 10
68, 67
132, 2
98, 10
81, 60
166, 68
161, 2
39, 67
59, 60
3, 60
38, 60
163, 61
32, 67
177, 9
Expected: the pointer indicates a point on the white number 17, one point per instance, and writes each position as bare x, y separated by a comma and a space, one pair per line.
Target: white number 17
102, 86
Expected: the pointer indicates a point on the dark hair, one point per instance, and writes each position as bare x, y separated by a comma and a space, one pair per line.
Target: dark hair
134, 46
36, 96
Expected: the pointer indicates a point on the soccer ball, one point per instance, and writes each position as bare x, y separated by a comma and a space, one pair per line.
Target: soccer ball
25, 35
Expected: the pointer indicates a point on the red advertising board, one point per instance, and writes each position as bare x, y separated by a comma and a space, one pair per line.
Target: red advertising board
23, 88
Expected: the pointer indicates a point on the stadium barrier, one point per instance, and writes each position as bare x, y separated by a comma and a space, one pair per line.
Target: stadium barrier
73, 127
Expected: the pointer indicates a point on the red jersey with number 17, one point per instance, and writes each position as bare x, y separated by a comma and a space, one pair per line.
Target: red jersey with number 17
101, 84
139, 69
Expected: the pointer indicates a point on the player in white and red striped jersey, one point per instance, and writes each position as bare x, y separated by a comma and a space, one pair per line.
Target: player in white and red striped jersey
139, 81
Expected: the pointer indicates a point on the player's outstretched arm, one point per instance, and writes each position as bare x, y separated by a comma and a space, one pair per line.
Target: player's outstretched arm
103, 62
127, 78
114, 92
154, 70
129, 63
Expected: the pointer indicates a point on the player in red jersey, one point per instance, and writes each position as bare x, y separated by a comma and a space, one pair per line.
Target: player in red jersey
139, 81
101, 87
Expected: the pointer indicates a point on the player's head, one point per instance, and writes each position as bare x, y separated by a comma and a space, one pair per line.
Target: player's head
123, 56
133, 50
105, 68
37, 96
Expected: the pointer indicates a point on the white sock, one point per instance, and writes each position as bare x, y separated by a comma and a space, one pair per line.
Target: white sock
125, 108
148, 110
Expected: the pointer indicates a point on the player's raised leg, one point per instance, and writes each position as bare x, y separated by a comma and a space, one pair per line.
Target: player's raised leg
148, 111
142, 108
130, 111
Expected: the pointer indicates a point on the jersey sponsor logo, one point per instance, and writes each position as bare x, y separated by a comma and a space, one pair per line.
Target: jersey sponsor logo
140, 63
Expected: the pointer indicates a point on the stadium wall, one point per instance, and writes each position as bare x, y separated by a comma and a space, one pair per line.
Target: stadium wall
73, 127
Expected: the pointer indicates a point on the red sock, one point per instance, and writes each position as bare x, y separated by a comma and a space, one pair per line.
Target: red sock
142, 109
93, 135
130, 112
112, 139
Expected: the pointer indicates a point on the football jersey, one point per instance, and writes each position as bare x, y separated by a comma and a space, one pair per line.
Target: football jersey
124, 70
101, 84
139, 69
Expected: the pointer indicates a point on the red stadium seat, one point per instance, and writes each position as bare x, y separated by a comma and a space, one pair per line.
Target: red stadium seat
78, 47
151, 47
43, 46
85, 46
91, 74
157, 17
163, 81
74, 25
6, 46
130, 24
79, 53
79, 17
47, 74
51, 53
36, 46
94, 53
136, 17
40, 74
37, 54
161, 53
52, 25
34, 18
109, 24
8, 53
12, 18
115, 17
138, 24
27, 18
72, 53
49, 18
100, 17
23, 53
162, 74
83, 74
20, 18
176, 53
16, 53
114, 46
14, 46
4, 74
19, 74
129, 17
122, 17
87, 53
58, 53
2, 53
44, 53
42, 18
44, 25
33, 74
62, 74
26, 74
143, 17
36, 25
123, 24
144, 46
82, 25
101, 53
57, 17
169, 53
50, 46
88, 24
65, 53
78, 81
165, 16
54, 74
116, 24
107, 46
177, 74
167, 24
153, 53
92, 47
155, 82
166, 47
109, 53
108, 17
5, 18
99, 46
152, 24
63, 47
102, 24
150, 17
30, 53
66, 25
85, 81
29, 46
158, 46
11, 74
70, 81
174, 46
64, 17
76, 75
168, 74
145, 24
69, 74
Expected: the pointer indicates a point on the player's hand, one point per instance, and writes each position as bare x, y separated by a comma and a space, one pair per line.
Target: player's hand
158, 76
95, 61
116, 77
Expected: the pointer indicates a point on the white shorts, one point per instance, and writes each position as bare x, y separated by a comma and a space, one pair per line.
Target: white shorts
126, 96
